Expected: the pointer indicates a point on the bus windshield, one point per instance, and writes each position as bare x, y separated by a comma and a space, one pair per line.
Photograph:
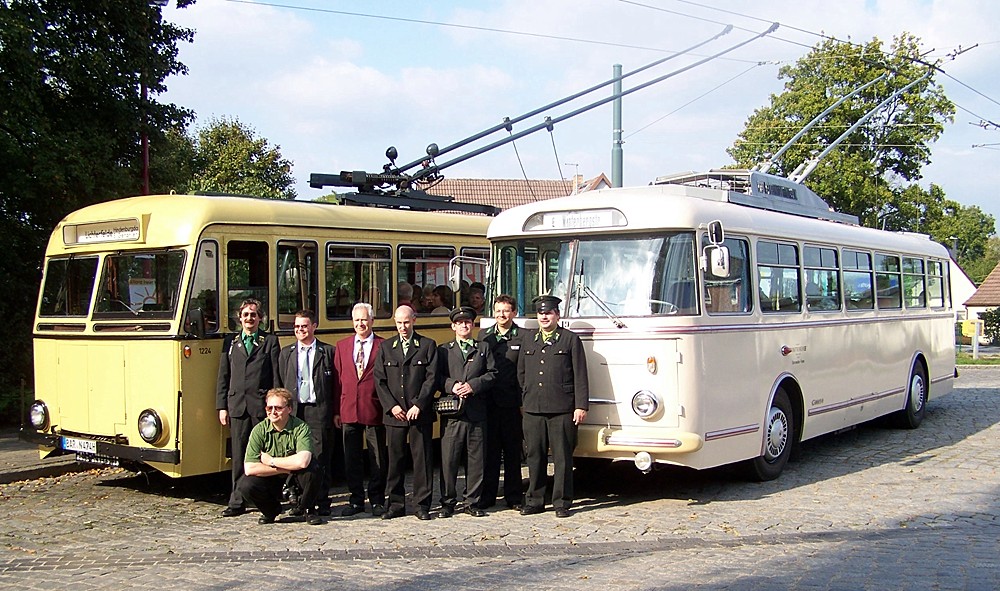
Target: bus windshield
638, 275
140, 285
68, 286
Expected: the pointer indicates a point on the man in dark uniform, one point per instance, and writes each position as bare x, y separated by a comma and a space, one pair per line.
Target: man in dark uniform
504, 435
248, 368
405, 379
466, 369
305, 368
552, 371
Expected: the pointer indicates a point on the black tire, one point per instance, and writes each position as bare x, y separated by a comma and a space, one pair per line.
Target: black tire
913, 413
779, 436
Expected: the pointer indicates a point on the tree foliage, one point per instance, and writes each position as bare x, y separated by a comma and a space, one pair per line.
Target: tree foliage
865, 175
71, 116
230, 158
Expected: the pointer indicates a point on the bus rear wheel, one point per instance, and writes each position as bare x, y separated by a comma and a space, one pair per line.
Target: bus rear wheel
779, 431
913, 413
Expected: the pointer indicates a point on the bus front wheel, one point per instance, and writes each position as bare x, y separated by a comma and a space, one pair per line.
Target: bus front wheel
779, 432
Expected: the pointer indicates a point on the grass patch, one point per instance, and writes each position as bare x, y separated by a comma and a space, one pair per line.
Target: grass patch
964, 357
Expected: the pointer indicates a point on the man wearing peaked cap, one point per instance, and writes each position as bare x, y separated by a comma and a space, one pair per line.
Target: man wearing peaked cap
467, 370
552, 371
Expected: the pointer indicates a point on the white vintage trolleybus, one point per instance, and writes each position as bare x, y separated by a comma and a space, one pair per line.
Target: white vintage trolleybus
729, 315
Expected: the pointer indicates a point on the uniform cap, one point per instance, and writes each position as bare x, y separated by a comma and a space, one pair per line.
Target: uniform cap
546, 303
463, 313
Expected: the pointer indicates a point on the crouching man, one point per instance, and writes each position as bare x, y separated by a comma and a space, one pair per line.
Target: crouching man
280, 446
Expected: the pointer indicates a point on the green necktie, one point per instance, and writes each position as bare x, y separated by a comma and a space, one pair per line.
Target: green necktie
466, 345
248, 342
406, 345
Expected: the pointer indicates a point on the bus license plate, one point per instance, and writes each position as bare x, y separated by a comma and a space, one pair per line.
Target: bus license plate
79, 445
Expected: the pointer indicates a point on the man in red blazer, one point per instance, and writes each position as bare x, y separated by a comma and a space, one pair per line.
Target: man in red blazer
358, 413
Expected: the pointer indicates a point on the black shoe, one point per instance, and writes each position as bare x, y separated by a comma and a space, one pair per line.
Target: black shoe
265, 519
377, 509
423, 514
352, 510
532, 509
314, 519
562, 512
233, 511
475, 511
447, 511
324, 510
296, 512
515, 506
393, 513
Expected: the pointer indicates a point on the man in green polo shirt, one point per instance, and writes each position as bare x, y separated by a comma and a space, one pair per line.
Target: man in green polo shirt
279, 446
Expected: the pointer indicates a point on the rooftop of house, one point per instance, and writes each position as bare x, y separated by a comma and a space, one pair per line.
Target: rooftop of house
507, 193
988, 294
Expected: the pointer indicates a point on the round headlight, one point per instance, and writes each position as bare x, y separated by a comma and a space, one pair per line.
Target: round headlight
39, 415
643, 461
150, 426
644, 404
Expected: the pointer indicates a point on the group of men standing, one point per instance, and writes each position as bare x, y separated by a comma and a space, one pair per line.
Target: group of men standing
513, 385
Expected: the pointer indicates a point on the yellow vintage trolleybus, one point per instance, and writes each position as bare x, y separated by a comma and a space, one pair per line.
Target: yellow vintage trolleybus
138, 293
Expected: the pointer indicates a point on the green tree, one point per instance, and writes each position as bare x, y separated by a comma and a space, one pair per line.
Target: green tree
230, 158
979, 268
866, 174
71, 116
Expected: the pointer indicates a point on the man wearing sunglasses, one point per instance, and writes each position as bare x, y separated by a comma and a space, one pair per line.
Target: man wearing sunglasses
279, 446
248, 368
305, 368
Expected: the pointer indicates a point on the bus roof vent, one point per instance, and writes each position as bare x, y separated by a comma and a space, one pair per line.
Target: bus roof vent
758, 189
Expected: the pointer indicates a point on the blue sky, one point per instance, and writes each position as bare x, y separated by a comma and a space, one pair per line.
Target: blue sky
334, 90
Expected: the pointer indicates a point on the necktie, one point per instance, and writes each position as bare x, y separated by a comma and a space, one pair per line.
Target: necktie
466, 346
360, 360
304, 372
248, 342
406, 345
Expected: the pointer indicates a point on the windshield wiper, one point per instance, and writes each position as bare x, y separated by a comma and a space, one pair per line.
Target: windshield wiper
581, 286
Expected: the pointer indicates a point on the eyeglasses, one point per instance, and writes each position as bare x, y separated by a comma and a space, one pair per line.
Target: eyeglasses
275, 408
301, 327
248, 314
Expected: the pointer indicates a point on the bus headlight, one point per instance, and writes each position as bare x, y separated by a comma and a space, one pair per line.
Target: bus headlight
644, 404
150, 426
39, 415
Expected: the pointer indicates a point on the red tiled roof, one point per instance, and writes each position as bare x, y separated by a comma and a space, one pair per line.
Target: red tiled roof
988, 294
507, 193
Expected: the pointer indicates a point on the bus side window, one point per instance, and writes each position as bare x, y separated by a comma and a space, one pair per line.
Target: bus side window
357, 273
297, 279
778, 277
726, 295
246, 277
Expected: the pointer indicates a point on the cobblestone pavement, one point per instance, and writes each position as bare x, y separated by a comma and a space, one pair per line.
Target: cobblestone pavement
870, 508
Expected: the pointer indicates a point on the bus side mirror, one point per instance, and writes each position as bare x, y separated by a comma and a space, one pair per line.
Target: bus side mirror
720, 261
455, 277
716, 235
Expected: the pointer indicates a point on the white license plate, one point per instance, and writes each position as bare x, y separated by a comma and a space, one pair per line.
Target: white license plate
79, 445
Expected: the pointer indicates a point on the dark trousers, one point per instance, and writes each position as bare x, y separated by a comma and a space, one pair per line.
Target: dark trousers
541, 432
265, 491
462, 438
421, 451
356, 436
239, 434
322, 441
504, 439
